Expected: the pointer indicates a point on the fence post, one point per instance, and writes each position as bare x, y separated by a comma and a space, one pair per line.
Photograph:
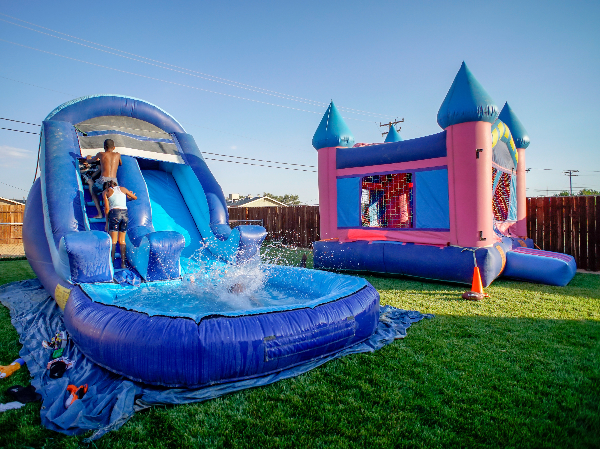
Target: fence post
591, 232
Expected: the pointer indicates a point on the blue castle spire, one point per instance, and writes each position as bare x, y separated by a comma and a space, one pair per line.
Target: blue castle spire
466, 101
518, 131
393, 135
332, 131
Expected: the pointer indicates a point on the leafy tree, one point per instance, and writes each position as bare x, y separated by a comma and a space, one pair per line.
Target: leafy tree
287, 199
588, 192
581, 192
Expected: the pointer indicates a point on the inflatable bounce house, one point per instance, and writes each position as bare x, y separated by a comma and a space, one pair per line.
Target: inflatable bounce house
196, 318
437, 206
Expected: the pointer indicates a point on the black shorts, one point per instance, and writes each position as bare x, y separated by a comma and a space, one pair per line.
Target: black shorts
117, 220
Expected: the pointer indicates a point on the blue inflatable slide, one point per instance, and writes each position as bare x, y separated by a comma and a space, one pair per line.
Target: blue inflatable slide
205, 311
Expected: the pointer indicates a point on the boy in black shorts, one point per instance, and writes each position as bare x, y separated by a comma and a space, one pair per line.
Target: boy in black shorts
115, 206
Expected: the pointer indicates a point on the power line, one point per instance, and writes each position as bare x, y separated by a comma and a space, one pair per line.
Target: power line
20, 131
153, 131
6, 184
261, 160
221, 160
40, 87
559, 190
207, 153
261, 165
183, 70
169, 82
252, 159
18, 121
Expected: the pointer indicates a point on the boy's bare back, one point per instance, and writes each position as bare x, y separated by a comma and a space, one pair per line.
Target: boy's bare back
110, 162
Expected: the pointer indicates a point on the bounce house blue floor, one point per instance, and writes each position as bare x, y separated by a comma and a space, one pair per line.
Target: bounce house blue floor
112, 399
507, 258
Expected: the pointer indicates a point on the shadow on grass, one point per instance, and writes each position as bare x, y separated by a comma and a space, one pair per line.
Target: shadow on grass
471, 377
454, 382
584, 284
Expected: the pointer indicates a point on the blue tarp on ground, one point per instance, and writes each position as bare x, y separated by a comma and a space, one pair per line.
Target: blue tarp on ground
112, 399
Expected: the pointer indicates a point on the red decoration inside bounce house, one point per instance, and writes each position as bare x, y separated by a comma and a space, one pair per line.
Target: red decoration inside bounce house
386, 201
501, 199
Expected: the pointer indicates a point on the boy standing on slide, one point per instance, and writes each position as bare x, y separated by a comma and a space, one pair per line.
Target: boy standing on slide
115, 207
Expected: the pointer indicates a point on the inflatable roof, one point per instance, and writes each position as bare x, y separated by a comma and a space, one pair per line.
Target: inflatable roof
393, 135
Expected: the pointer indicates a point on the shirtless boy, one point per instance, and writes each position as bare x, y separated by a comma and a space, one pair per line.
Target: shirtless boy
109, 163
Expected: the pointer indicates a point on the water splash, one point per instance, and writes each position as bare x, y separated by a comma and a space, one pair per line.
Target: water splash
239, 285
211, 284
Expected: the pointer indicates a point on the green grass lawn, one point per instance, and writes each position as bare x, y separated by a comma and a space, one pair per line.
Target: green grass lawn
518, 369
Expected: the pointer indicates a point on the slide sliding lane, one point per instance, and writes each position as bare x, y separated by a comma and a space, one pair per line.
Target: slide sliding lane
170, 211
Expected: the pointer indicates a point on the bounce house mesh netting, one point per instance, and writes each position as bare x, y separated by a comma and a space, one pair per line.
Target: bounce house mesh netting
502, 197
386, 201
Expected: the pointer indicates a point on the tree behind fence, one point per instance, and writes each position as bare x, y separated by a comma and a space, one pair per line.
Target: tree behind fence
568, 225
291, 225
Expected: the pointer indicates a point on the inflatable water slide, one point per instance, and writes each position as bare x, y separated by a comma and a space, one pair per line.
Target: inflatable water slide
436, 206
206, 311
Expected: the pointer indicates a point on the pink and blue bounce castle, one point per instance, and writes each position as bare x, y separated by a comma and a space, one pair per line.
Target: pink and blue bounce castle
436, 206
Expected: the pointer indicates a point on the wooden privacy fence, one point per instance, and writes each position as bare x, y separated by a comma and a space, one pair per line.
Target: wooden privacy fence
11, 236
291, 225
568, 225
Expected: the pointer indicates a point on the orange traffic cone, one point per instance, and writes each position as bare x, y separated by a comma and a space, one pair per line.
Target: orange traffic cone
477, 285
476, 292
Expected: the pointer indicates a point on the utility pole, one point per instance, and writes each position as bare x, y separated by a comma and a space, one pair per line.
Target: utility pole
570, 173
389, 124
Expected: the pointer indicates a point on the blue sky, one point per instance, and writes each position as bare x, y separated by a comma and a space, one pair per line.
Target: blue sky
253, 79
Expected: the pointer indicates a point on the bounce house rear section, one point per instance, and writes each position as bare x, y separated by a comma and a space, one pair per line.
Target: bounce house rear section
436, 206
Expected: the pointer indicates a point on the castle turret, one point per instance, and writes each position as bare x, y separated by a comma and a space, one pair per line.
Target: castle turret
467, 114
393, 135
466, 101
521, 140
332, 132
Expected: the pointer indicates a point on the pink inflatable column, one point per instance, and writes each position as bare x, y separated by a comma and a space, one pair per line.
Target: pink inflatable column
469, 147
332, 132
327, 193
467, 114
521, 226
